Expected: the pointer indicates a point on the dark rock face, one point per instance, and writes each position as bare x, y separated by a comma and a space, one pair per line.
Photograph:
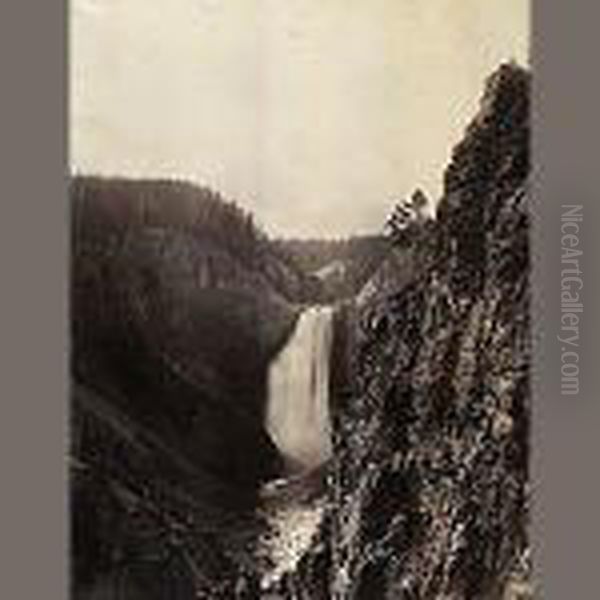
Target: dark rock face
177, 308
431, 476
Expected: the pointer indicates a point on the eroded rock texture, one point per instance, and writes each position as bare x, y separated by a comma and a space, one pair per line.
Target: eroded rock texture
431, 480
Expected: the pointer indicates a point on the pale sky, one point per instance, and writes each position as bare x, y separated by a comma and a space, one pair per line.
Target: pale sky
314, 114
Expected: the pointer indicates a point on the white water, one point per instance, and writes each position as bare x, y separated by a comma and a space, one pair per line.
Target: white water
297, 416
293, 528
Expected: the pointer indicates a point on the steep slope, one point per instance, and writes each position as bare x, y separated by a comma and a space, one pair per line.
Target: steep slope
432, 471
177, 304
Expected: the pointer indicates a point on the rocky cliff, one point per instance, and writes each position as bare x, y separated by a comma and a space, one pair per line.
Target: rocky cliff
178, 303
431, 477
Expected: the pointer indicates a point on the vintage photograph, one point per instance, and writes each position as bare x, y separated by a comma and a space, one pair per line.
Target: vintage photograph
299, 300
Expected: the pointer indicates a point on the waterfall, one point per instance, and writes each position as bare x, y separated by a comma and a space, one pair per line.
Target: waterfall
297, 415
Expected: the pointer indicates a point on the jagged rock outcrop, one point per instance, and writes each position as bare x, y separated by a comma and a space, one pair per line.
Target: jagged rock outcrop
431, 476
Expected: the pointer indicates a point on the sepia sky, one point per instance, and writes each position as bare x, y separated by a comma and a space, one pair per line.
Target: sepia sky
315, 114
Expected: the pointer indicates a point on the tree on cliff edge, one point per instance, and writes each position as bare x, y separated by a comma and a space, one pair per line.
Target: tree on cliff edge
407, 219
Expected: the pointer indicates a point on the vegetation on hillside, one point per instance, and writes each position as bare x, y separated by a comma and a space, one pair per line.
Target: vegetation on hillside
339, 266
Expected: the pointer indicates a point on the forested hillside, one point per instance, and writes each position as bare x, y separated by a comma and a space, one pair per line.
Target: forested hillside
339, 266
178, 303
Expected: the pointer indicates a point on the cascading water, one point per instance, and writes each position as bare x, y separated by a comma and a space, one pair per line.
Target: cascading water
297, 415
297, 418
